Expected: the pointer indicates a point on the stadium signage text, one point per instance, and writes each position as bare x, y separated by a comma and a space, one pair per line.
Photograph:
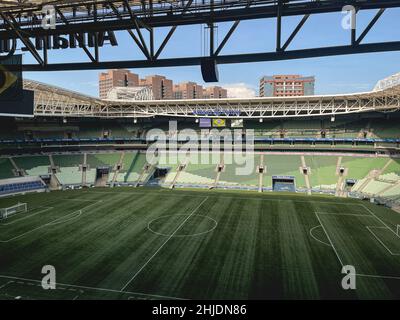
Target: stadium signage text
68, 41
217, 112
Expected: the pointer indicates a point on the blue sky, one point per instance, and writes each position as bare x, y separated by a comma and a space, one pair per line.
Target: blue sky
339, 74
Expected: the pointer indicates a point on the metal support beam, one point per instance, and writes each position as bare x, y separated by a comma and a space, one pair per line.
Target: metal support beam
139, 44
279, 26
295, 31
226, 38
370, 25
79, 21
226, 59
12, 23
165, 41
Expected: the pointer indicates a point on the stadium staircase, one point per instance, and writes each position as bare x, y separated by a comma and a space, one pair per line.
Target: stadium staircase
219, 168
306, 177
51, 161
84, 168
181, 167
145, 173
55, 184
261, 174
373, 174
339, 191
17, 171
118, 168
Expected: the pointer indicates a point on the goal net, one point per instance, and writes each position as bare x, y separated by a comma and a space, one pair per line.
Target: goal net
18, 208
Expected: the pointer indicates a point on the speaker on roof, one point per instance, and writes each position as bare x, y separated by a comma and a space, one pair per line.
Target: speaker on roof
209, 70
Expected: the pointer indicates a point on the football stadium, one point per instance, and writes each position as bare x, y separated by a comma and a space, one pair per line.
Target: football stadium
153, 187
263, 198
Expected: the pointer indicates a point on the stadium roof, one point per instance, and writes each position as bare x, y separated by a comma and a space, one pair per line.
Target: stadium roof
389, 82
52, 100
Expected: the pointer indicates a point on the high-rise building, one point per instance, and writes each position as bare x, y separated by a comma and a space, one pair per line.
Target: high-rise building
116, 78
214, 92
286, 86
130, 93
188, 90
160, 85
129, 85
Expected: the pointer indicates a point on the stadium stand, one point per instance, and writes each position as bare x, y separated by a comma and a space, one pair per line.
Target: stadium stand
289, 166
69, 168
101, 160
356, 154
6, 169
132, 167
230, 175
33, 165
322, 171
358, 168
201, 169
21, 185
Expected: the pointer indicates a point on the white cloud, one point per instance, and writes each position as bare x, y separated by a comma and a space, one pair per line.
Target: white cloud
240, 90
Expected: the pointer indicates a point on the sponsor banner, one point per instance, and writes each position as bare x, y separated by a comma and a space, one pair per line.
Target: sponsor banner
205, 123
237, 123
218, 123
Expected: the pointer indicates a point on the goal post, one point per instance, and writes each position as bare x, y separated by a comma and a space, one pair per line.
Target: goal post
20, 207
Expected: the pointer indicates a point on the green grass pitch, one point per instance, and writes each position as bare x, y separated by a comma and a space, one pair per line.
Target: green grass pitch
148, 243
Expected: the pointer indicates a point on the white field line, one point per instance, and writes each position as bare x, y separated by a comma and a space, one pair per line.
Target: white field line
39, 284
377, 276
27, 216
343, 214
385, 227
70, 217
93, 288
6, 284
381, 242
315, 238
49, 223
67, 199
223, 197
330, 241
186, 235
163, 244
379, 219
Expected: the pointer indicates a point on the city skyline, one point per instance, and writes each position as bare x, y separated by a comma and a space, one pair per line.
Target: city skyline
161, 87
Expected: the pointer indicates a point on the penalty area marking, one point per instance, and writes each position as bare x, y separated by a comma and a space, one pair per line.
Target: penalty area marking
53, 222
315, 238
163, 244
183, 235
26, 216
380, 241
343, 214
330, 241
381, 221
369, 215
